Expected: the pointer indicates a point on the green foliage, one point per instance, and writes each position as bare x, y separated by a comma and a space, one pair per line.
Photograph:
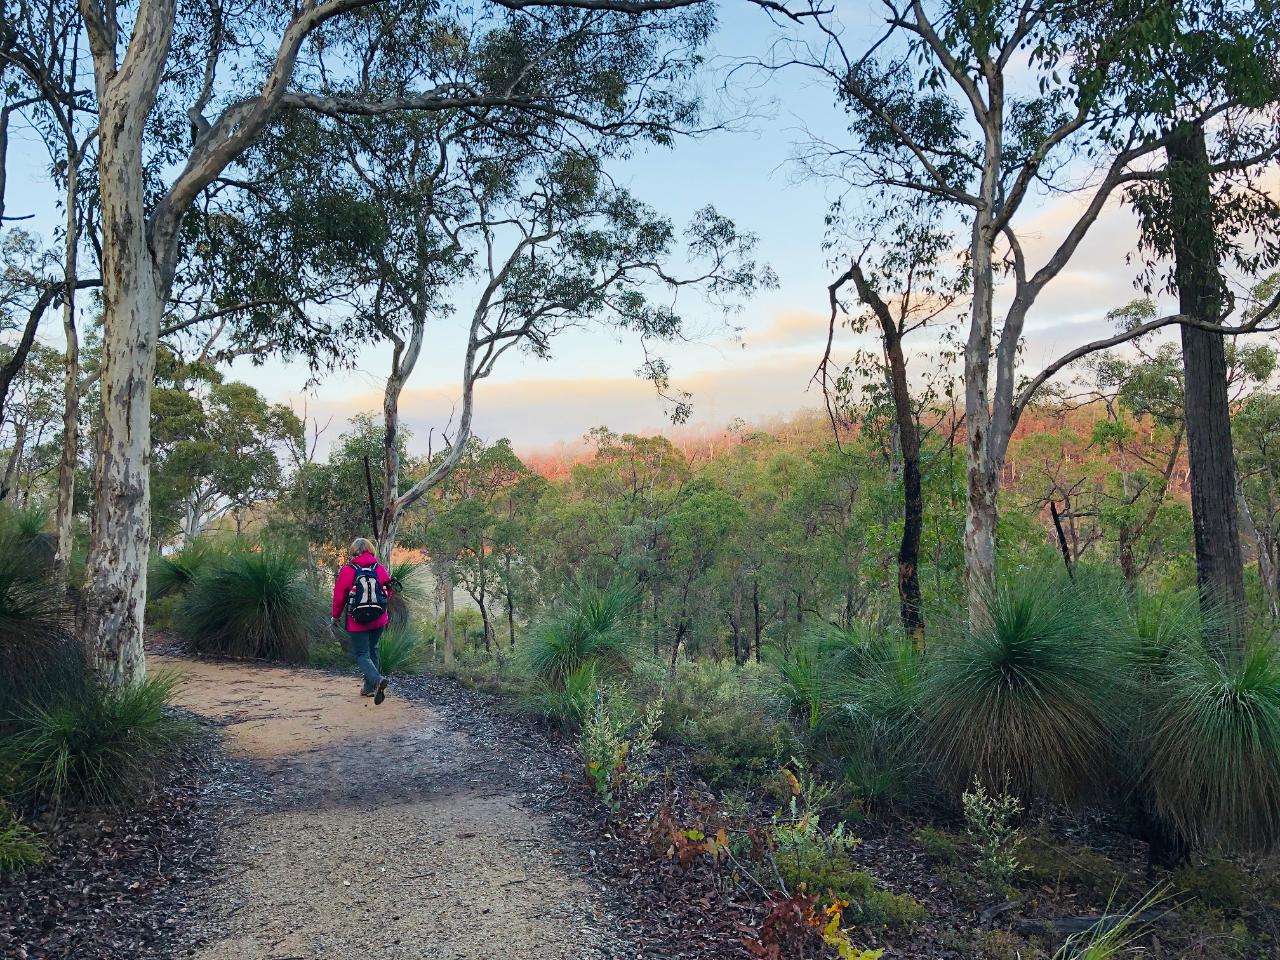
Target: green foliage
592, 630
1115, 935
402, 650
992, 824
1218, 884
38, 653
938, 844
1029, 697
96, 745
567, 703
1212, 746
254, 604
1047, 861
809, 858
615, 743
20, 846
173, 574
737, 731
410, 590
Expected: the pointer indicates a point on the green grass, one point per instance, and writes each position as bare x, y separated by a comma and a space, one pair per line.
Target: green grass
402, 650
20, 846
96, 746
411, 590
253, 604
1031, 698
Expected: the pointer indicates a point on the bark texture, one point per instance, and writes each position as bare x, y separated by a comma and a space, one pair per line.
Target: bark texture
1210, 453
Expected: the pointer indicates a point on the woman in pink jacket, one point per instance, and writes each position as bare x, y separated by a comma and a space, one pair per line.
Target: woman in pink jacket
360, 597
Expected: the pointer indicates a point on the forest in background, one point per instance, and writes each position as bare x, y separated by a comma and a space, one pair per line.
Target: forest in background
1017, 608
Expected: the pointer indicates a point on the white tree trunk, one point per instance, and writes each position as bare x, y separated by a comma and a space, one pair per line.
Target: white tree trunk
983, 475
111, 616
64, 522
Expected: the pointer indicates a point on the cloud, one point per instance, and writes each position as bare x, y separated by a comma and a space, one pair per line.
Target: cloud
537, 412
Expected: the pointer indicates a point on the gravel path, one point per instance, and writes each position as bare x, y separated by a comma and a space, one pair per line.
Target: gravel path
376, 831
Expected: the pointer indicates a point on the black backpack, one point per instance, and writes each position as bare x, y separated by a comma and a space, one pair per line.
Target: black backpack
367, 599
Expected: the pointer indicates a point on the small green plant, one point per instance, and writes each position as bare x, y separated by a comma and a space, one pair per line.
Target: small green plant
938, 844
20, 846
1218, 884
98, 745
1115, 935
991, 822
615, 743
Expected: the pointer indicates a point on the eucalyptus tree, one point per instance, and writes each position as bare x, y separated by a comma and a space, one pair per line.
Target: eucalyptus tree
214, 62
902, 274
984, 108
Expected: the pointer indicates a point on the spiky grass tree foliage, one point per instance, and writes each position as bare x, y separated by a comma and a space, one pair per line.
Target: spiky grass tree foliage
173, 575
409, 589
1213, 746
37, 651
97, 746
401, 650
1030, 698
257, 604
810, 677
593, 628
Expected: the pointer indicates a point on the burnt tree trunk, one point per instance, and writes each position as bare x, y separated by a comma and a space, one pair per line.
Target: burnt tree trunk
1210, 454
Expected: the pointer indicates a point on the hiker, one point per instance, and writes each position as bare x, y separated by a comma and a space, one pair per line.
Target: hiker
361, 596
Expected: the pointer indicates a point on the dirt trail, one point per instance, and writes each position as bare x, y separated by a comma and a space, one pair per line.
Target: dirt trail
381, 833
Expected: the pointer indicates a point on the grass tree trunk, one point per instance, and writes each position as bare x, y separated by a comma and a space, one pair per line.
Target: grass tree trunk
1210, 453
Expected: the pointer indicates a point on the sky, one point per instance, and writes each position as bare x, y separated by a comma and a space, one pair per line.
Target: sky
759, 372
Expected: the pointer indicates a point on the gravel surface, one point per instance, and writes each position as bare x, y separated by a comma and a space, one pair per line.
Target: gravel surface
388, 830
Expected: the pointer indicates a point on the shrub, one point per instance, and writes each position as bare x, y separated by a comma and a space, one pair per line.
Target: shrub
567, 703
1213, 746
875, 730
1028, 699
1050, 862
737, 731
97, 746
410, 589
1218, 884
615, 743
808, 858
593, 630
253, 604
20, 846
991, 822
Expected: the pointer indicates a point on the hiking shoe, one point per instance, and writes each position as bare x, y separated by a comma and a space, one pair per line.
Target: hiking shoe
381, 693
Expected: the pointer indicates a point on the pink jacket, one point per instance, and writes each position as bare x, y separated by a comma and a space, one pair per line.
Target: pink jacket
347, 579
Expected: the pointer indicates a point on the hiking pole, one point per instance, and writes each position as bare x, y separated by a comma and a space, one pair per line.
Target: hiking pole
373, 513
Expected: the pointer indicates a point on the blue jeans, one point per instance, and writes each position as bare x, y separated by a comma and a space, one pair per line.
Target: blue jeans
364, 651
